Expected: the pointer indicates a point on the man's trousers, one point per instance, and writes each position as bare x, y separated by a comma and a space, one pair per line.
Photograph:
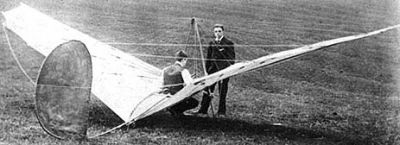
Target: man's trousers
223, 90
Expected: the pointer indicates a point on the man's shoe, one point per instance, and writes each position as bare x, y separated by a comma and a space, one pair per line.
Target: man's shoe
203, 115
175, 113
197, 114
221, 115
189, 113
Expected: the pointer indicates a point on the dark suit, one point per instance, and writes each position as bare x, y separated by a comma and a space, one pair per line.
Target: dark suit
220, 55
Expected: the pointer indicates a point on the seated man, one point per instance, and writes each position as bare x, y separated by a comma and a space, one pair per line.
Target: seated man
174, 79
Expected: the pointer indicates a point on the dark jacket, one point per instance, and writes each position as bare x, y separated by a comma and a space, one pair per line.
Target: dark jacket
219, 55
173, 78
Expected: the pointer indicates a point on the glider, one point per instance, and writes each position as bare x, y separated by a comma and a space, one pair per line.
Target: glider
129, 86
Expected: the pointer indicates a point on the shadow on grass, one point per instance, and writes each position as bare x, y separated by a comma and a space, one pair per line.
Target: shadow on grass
103, 116
240, 127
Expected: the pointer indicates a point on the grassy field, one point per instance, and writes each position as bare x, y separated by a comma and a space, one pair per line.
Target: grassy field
344, 94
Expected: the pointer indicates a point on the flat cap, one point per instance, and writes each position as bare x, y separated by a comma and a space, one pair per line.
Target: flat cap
219, 26
181, 54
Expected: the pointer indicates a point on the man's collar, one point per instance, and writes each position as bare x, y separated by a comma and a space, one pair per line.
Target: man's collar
179, 63
216, 39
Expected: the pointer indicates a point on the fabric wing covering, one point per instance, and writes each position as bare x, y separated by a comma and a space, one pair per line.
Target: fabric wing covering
124, 83
119, 80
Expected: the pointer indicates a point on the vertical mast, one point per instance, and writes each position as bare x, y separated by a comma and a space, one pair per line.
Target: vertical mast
196, 28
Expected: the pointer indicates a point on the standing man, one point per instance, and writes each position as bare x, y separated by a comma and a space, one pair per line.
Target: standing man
175, 77
220, 55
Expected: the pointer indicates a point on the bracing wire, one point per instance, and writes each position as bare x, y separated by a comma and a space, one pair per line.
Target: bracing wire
15, 57
34, 83
195, 45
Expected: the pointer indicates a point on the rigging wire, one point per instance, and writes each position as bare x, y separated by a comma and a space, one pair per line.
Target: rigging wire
239, 45
15, 57
34, 83
295, 21
194, 45
239, 56
297, 29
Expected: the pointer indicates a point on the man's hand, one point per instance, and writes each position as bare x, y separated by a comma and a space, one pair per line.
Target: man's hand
208, 93
211, 95
205, 92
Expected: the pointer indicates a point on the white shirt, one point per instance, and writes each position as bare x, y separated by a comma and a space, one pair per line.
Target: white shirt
216, 39
187, 78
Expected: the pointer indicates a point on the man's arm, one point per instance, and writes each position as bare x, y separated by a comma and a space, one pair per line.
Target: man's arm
231, 53
162, 77
209, 54
187, 78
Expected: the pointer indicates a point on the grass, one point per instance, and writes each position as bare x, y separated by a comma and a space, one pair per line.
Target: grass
345, 94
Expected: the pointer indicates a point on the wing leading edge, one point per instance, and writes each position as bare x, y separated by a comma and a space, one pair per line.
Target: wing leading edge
242, 67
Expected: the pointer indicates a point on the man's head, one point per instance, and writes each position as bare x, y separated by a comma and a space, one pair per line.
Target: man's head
181, 56
218, 30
